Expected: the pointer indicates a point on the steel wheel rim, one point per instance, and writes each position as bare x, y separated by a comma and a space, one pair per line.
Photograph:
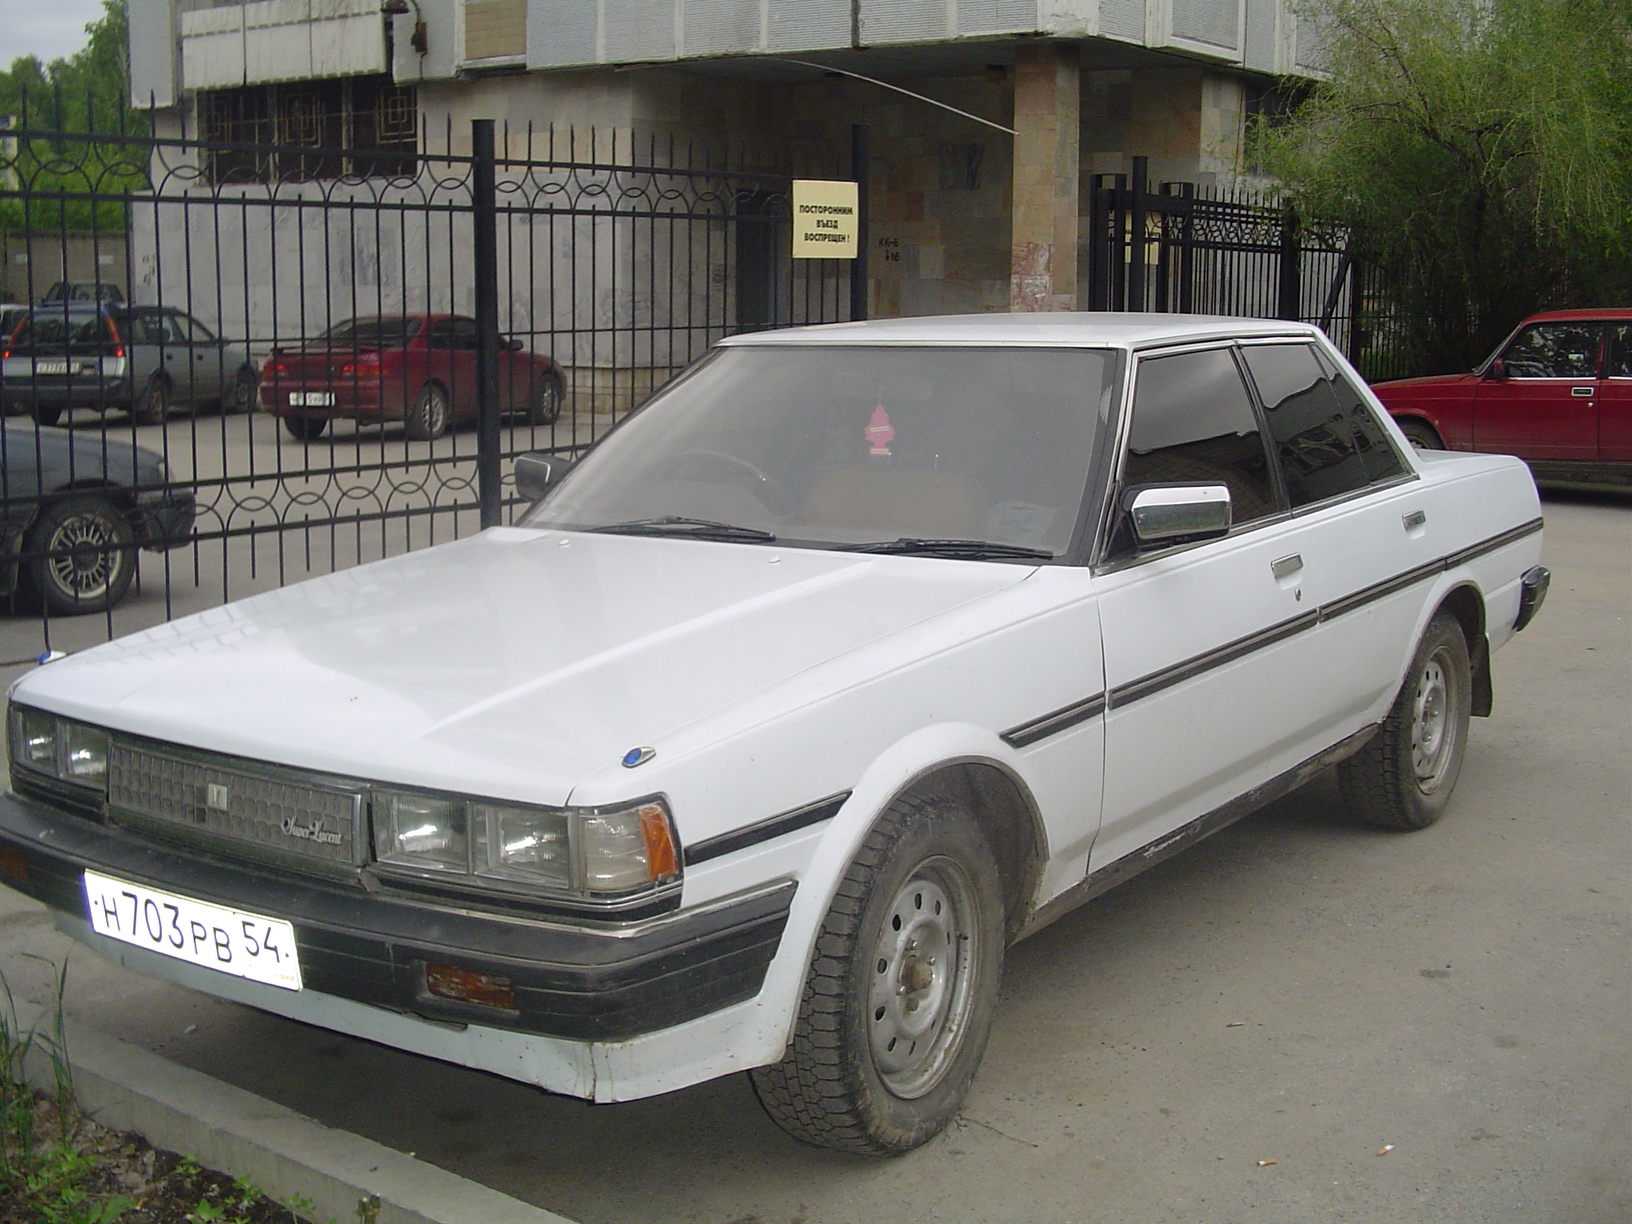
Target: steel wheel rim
1433, 730
921, 989
82, 562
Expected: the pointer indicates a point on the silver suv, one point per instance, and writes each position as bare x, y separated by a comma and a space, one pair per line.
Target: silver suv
143, 359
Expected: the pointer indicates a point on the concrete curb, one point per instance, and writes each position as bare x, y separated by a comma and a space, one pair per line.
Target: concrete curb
346, 1177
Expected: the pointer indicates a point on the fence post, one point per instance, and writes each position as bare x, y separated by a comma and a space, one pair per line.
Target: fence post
484, 217
1136, 235
859, 165
1289, 303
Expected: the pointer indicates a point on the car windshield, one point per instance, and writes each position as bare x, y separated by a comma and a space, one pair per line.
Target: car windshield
387, 332
913, 449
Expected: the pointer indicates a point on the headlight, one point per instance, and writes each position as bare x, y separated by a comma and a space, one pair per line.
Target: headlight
59, 748
611, 852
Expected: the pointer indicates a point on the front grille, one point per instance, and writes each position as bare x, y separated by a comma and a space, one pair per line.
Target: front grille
261, 812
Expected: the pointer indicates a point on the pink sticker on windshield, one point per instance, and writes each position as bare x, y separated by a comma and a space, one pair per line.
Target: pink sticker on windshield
880, 433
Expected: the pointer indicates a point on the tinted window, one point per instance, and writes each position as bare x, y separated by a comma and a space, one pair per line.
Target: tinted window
453, 334
71, 331
1314, 438
1554, 350
1193, 423
1381, 459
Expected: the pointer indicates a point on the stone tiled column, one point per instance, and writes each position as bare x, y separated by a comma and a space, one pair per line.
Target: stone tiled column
1043, 244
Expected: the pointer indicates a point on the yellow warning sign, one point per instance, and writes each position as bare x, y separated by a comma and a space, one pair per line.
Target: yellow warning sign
826, 219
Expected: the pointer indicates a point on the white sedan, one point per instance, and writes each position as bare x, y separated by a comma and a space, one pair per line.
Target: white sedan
856, 654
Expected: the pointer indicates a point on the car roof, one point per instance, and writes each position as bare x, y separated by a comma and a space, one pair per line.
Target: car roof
1076, 329
1613, 314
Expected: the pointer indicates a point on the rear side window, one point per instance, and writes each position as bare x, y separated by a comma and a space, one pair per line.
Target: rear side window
1193, 423
1324, 436
1620, 352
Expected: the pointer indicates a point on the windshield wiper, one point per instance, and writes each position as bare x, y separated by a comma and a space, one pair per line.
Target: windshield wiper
675, 524
972, 550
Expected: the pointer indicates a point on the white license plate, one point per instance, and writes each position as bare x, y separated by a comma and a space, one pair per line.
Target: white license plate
228, 940
311, 399
50, 367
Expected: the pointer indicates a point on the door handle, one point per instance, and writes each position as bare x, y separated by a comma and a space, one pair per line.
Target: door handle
1286, 566
1581, 392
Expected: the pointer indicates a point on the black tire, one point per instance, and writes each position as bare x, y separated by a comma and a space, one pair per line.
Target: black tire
545, 406
86, 555
307, 429
430, 415
889, 1036
1403, 777
241, 393
46, 414
153, 405
1422, 435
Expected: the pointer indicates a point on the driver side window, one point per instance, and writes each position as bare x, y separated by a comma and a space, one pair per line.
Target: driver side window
1553, 350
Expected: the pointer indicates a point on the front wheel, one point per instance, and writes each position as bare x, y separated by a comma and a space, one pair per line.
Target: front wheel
1403, 777
241, 392
898, 1001
545, 405
86, 555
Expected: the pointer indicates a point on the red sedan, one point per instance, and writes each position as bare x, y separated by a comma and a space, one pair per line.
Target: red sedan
417, 369
1557, 392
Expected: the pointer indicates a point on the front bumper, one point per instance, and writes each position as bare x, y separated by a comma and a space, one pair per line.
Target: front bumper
580, 982
164, 520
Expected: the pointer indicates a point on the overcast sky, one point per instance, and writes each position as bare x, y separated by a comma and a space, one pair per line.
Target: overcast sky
50, 29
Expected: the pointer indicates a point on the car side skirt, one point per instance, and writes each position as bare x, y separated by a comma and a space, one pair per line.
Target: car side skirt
1130, 865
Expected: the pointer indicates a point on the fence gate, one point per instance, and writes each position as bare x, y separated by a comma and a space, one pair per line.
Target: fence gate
491, 252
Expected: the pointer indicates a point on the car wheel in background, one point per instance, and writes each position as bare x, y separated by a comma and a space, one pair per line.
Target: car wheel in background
305, 428
86, 555
429, 416
1404, 776
898, 1002
1421, 435
153, 406
545, 406
242, 392
46, 414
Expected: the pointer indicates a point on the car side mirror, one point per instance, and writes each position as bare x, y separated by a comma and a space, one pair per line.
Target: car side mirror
537, 473
513, 345
1160, 515
1498, 369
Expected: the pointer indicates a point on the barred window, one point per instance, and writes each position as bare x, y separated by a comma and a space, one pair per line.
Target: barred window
367, 127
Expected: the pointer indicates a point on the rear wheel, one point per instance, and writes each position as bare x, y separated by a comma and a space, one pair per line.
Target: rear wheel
86, 555
430, 414
1404, 776
305, 428
898, 1002
545, 406
47, 414
153, 406
240, 395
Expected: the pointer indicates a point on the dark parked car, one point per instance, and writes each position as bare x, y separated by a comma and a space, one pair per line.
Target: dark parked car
73, 510
417, 369
145, 359
1557, 393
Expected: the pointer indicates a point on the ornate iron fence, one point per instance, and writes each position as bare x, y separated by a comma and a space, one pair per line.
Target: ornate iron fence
525, 256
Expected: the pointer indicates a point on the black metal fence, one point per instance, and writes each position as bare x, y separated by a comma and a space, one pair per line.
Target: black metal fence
527, 255
1177, 247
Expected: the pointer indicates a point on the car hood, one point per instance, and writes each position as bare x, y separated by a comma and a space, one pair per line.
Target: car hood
515, 663
1431, 381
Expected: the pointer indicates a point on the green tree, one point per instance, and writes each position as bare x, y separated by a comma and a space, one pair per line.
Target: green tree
44, 180
1481, 152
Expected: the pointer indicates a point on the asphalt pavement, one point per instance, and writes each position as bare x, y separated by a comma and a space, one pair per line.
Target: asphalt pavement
1298, 1020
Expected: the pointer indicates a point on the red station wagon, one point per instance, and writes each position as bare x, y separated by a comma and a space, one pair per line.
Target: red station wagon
417, 369
1557, 393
